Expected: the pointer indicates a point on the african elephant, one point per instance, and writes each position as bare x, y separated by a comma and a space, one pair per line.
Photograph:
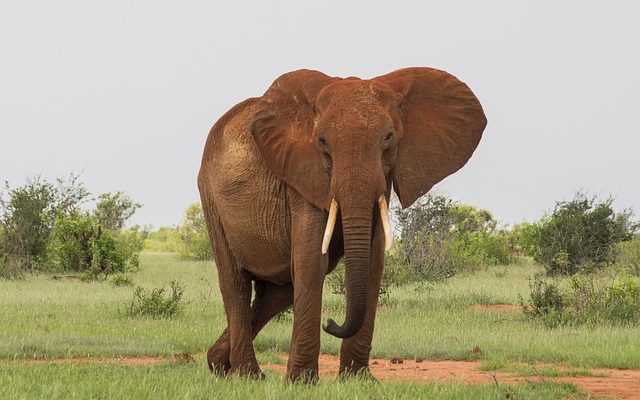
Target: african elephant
292, 181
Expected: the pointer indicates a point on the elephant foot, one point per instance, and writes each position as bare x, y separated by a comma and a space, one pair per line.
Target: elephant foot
302, 375
249, 370
218, 359
363, 373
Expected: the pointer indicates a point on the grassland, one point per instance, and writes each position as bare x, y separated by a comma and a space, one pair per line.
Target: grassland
41, 317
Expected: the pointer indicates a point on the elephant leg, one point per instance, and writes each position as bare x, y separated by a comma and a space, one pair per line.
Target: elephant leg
354, 353
269, 301
309, 266
218, 354
235, 286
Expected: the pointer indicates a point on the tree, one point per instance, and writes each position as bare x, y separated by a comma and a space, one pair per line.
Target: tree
440, 237
43, 226
114, 209
193, 233
28, 214
581, 233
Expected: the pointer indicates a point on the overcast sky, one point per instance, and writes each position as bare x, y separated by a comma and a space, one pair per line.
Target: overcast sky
125, 92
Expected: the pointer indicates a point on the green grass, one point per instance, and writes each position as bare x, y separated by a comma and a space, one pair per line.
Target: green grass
523, 369
193, 381
43, 317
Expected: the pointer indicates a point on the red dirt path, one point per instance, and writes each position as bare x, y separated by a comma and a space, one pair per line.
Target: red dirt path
623, 384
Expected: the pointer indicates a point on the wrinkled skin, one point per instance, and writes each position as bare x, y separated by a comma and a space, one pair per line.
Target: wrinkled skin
272, 166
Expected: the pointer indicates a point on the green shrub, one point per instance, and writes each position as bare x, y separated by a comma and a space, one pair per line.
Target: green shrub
43, 228
165, 240
629, 256
69, 247
622, 301
78, 243
522, 239
581, 234
545, 298
193, 234
114, 209
484, 248
440, 238
154, 303
28, 213
130, 242
121, 280
11, 267
588, 299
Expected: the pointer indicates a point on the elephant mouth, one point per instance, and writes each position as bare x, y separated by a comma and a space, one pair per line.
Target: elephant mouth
333, 215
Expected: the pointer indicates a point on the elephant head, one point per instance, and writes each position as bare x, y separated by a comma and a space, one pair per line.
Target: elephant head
341, 143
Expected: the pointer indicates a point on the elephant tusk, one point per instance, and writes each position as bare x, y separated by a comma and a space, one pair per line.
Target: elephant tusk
331, 223
386, 225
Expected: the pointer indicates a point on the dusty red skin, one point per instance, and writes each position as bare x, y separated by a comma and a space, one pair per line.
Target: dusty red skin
270, 169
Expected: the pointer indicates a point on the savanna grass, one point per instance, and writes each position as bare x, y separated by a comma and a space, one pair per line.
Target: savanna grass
42, 317
192, 381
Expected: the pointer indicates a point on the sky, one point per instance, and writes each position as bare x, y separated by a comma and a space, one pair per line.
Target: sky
125, 92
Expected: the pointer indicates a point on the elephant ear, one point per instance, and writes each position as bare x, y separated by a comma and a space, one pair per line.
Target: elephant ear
283, 130
442, 124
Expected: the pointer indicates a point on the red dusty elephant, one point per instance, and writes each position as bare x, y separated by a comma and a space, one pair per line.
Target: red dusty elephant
293, 181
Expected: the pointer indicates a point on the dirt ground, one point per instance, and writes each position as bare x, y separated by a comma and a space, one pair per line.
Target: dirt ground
622, 384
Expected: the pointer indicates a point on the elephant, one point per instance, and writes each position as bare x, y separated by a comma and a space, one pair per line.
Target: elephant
296, 180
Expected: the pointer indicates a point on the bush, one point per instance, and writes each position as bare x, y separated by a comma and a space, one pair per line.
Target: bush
594, 300
545, 298
628, 256
70, 245
108, 257
622, 301
43, 228
28, 214
581, 233
440, 238
589, 299
484, 248
165, 239
154, 303
121, 280
113, 210
522, 239
193, 234
130, 242
11, 267
79, 244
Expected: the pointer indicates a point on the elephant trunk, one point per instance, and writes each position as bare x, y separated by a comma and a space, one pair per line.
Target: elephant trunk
356, 227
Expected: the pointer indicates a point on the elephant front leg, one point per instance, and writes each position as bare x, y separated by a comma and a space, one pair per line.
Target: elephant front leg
355, 351
309, 267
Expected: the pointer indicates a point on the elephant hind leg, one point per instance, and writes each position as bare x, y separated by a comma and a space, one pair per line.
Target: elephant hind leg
235, 286
269, 301
218, 355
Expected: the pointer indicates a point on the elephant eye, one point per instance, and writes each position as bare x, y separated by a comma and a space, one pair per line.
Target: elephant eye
322, 141
388, 136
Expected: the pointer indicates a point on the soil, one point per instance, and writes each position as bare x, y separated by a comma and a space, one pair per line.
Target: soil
622, 384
